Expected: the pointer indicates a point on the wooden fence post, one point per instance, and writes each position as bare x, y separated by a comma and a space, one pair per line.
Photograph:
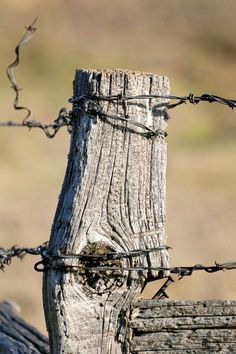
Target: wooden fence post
113, 199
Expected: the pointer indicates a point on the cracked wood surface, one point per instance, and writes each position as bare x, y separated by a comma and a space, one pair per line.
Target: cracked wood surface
113, 198
17, 336
158, 327
177, 327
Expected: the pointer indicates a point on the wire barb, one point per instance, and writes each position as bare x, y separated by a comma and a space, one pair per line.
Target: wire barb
6, 255
51, 129
49, 261
80, 103
182, 271
191, 98
161, 293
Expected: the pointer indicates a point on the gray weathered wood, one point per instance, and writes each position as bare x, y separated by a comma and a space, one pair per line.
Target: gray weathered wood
173, 327
113, 198
17, 336
183, 327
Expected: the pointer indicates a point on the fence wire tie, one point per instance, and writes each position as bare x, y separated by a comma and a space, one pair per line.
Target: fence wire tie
6, 255
98, 112
51, 263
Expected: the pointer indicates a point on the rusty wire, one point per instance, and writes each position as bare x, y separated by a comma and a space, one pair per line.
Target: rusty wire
63, 118
6, 254
191, 98
48, 263
26, 37
81, 104
55, 262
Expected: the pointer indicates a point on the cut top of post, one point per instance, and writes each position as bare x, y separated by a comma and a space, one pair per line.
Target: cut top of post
125, 89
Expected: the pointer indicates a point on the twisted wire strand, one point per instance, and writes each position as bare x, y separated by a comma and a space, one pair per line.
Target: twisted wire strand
54, 262
7, 254
181, 271
80, 104
51, 129
26, 37
190, 98
64, 118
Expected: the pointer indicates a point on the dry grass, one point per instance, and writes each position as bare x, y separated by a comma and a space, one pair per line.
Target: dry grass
191, 42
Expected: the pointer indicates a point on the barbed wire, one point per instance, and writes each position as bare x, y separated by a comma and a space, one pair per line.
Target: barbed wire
161, 293
26, 37
64, 117
54, 262
81, 104
191, 98
51, 129
149, 132
181, 271
7, 254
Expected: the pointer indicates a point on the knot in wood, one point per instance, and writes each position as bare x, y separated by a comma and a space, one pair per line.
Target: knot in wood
100, 281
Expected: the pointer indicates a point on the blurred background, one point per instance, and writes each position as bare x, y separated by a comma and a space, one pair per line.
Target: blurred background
191, 42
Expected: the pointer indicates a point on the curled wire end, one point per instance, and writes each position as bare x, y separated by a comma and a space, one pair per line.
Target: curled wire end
9, 71
31, 27
39, 266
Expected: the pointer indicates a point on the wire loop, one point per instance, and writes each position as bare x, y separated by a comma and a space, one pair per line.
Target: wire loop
56, 262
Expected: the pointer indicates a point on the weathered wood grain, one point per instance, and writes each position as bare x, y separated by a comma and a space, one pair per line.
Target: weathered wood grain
17, 336
113, 198
183, 327
173, 327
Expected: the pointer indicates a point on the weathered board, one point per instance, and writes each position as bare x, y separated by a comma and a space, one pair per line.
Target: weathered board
17, 336
161, 327
177, 327
113, 199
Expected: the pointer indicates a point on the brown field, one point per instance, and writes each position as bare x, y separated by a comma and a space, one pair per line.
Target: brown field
191, 42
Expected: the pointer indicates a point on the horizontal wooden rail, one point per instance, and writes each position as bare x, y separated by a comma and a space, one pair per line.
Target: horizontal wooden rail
183, 327
166, 326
